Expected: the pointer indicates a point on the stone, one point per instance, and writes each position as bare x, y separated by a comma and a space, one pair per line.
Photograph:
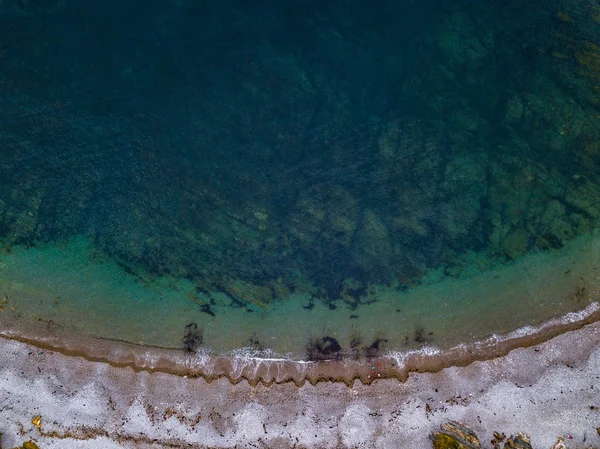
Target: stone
521, 441
342, 214
514, 109
498, 439
30, 445
372, 246
515, 243
455, 435
258, 295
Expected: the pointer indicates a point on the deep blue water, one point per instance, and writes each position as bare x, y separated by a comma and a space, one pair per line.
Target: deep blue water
299, 146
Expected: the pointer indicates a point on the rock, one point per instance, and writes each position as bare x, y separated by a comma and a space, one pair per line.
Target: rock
498, 439
515, 244
306, 222
521, 441
30, 445
388, 142
37, 421
342, 212
258, 295
455, 435
372, 244
514, 109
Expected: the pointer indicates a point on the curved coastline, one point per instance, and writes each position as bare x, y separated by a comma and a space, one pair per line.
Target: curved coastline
239, 366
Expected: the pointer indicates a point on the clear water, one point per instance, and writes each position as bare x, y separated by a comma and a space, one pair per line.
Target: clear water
309, 178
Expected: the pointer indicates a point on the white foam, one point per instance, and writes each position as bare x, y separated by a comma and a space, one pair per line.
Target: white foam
582, 314
263, 355
400, 358
571, 317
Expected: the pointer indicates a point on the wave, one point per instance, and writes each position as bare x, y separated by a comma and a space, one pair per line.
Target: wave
268, 367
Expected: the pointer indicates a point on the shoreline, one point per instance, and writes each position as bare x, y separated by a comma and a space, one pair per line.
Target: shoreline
547, 391
238, 367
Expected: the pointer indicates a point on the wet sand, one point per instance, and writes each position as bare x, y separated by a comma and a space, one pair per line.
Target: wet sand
546, 390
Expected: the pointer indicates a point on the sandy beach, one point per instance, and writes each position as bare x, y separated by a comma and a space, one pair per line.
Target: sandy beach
547, 390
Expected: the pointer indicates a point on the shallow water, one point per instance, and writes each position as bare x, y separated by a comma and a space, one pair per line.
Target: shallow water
302, 180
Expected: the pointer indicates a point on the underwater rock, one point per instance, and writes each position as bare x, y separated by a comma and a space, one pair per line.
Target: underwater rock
460, 46
515, 244
455, 435
464, 185
25, 224
352, 291
372, 243
257, 295
514, 109
307, 220
466, 119
559, 228
585, 196
342, 212
280, 290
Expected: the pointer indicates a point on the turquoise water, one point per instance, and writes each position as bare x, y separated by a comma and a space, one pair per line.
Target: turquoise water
301, 177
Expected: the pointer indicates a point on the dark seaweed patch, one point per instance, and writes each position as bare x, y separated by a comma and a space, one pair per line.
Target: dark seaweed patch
375, 348
355, 347
254, 343
552, 241
311, 304
355, 343
192, 337
419, 335
325, 348
206, 309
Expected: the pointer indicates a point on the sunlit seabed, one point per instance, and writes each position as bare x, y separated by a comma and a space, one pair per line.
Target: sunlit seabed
75, 288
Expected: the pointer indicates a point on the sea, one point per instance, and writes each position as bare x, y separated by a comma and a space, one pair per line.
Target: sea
301, 182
